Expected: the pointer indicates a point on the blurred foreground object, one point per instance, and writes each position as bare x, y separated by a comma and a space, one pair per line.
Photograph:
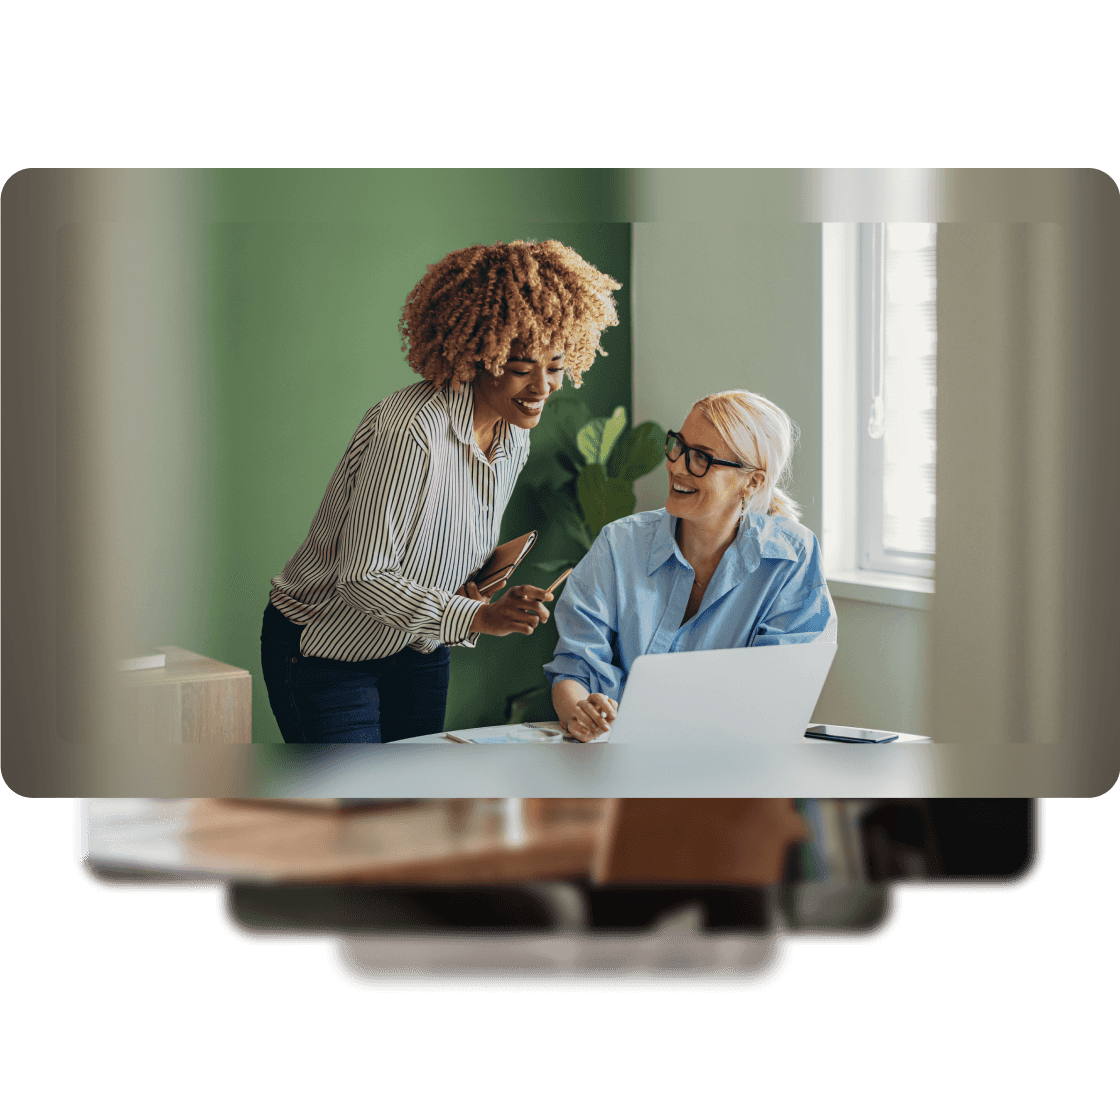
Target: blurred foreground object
697, 840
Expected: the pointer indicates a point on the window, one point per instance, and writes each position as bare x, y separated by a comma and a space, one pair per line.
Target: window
879, 396
898, 397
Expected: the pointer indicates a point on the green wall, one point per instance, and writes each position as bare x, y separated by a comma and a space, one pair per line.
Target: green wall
307, 276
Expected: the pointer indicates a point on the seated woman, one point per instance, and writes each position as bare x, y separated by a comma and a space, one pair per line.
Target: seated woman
725, 564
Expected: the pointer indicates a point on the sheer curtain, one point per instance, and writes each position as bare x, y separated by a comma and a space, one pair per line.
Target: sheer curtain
1025, 614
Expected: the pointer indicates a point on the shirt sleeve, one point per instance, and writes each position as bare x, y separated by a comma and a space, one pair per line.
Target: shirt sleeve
384, 508
803, 611
587, 625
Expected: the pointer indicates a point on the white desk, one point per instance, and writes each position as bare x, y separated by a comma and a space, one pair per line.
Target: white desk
439, 768
524, 733
434, 766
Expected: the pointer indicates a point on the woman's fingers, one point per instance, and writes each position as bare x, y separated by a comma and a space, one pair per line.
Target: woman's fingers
528, 591
579, 729
471, 591
531, 600
605, 705
518, 612
592, 715
521, 620
603, 708
491, 591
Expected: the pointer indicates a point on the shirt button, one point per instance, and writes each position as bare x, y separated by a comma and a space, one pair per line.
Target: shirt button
294, 660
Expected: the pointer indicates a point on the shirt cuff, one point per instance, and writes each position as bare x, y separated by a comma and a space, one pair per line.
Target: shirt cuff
455, 625
555, 676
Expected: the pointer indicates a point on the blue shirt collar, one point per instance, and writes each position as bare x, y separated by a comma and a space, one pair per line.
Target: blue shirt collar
759, 538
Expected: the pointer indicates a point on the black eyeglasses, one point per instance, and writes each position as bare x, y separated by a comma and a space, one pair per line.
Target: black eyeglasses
696, 462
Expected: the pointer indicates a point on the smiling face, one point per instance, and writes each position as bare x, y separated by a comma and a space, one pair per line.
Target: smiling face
717, 497
518, 396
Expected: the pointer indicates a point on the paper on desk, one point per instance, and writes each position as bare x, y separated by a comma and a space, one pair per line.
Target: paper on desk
554, 726
514, 734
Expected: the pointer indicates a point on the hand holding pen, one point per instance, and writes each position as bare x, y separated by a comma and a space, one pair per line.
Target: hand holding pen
520, 611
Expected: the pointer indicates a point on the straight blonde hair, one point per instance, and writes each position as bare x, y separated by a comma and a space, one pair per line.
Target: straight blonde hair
762, 435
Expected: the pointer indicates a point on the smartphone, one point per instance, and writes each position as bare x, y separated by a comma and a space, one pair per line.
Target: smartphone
849, 734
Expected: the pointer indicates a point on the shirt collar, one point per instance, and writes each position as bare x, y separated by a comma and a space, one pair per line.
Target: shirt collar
766, 535
758, 538
460, 410
664, 542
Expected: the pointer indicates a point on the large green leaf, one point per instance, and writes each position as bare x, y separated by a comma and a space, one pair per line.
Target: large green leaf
568, 416
544, 471
638, 452
590, 439
603, 499
562, 510
576, 529
598, 436
615, 426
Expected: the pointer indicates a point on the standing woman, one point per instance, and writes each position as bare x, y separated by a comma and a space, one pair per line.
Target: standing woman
355, 635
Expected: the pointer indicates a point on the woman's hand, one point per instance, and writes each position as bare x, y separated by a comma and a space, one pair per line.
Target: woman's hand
592, 717
470, 590
521, 611
583, 716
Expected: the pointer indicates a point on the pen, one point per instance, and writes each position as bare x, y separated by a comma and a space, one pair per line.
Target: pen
558, 580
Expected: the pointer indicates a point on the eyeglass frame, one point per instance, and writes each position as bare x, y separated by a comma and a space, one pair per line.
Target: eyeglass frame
688, 452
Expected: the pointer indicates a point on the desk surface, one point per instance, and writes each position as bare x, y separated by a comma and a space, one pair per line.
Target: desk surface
550, 731
434, 766
442, 769
434, 842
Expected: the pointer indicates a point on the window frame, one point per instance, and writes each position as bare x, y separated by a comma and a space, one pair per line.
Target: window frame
871, 553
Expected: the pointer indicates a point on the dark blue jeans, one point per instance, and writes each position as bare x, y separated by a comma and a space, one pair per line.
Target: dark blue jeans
319, 700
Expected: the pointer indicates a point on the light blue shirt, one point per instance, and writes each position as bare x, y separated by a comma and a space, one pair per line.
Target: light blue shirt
628, 596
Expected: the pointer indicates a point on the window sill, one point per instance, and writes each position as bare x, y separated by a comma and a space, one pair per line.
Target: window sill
892, 590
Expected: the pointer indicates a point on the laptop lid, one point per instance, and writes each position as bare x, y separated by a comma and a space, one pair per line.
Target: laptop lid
761, 694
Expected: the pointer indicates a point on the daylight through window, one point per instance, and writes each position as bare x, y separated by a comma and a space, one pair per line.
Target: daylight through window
898, 380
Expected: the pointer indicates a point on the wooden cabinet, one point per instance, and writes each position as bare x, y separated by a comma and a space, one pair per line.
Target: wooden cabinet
192, 699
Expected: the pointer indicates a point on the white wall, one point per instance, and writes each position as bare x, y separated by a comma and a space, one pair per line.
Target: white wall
729, 307
720, 306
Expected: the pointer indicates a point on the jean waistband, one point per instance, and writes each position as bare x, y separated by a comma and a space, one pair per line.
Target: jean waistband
277, 625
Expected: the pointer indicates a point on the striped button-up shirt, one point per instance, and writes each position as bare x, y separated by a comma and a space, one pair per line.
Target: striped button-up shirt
411, 511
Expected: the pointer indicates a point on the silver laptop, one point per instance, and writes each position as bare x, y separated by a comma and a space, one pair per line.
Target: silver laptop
762, 694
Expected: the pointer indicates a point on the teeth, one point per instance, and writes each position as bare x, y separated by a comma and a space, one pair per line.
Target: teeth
681, 490
529, 406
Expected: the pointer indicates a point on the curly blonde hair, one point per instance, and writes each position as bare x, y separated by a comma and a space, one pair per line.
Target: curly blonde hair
470, 308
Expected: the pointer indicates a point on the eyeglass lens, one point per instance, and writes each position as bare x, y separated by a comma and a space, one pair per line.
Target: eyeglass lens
695, 462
